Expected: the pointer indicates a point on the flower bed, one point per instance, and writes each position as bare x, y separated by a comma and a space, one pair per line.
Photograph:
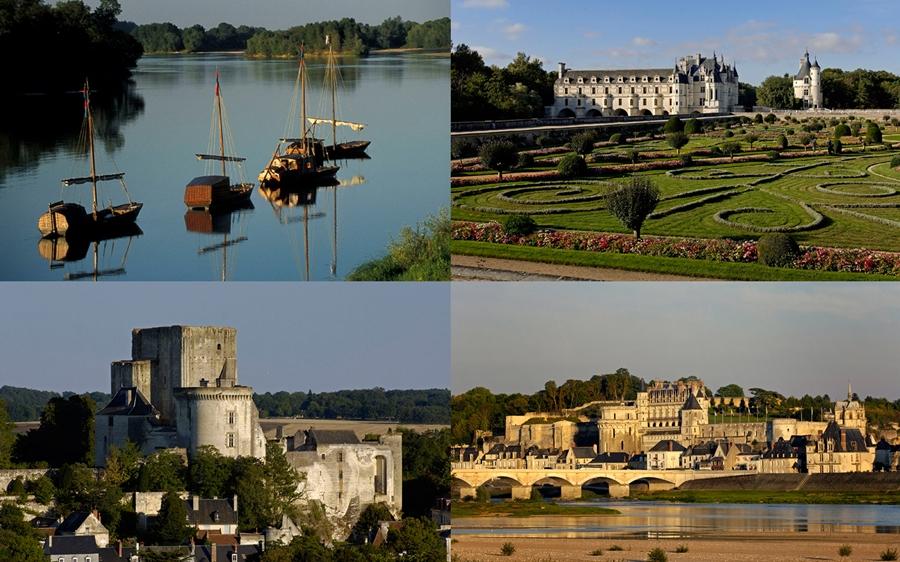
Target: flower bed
853, 260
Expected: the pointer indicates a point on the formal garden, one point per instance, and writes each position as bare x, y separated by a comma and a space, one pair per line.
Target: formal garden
701, 193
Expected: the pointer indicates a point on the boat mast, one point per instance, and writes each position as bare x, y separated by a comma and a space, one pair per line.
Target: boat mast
90, 122
333, 79
302, 97
221, 129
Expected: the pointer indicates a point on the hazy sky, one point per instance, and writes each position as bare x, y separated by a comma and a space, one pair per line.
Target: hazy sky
795, 338
765, 37
291, 336
276, 14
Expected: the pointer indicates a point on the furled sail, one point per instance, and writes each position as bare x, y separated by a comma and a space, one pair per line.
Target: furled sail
217, 157
100, 177
339, 123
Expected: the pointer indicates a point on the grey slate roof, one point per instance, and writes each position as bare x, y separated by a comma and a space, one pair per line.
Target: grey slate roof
583, 452
72, 544
691, 403
668, 445
611, 458
331, 436
804, 68
128, 401
72, 523
208, 508
845, 440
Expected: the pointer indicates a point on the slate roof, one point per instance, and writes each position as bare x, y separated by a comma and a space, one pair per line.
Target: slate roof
128, 401
883, 445
845, 440
668, 445
73, 522
780, 449
583, 452
332, 436
611, 458
208, 508
71, 544
804, 68
691, 403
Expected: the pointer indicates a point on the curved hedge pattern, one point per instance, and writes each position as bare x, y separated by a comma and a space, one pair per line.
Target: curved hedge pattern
886, 190
722, 218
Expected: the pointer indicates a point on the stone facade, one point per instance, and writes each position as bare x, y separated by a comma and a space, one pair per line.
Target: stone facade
180, 390
696, 84
808, 83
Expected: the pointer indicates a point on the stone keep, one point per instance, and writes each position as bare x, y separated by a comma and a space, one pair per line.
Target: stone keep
808, 83
180, 389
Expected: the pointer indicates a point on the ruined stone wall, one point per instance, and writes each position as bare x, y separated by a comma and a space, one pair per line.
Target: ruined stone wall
26, 474
737, 432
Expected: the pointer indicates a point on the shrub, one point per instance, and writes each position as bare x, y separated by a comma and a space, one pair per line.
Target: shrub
845, 550
519, 225
677, 140
777, 249
571, 166
615, 548
730, 148
508, 549
742, 131
770, 118
582, 143
692, 126
682, 548
758, 118
673, 125
16, 488
781, 141
633, 155
525, 160
873, 133
687, 160
838, 146
729, 134
889, 554
597, 552
789, 131
841, 131
462, 148
617, 138
895, 162
633, 202
499, 156
658, 554
482, 495
855, 127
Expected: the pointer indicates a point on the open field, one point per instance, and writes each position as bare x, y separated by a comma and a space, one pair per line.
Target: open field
738, 548
847, 200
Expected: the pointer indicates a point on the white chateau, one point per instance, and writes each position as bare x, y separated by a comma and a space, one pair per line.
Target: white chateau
808, 83
696, 84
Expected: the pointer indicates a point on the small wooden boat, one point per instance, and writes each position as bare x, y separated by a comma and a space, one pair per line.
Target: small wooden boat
71, 219
206, 192
301, 160
347, 150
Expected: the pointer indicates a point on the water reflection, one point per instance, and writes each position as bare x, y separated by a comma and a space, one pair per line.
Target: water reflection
668, 520
42, 126
217, 237
107, 259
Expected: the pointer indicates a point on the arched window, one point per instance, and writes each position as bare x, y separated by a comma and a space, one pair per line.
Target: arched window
380, 475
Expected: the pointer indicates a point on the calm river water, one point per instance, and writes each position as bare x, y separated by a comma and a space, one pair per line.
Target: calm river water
664, 519
153, 131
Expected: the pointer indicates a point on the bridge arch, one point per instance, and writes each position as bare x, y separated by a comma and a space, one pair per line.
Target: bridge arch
646, 112
650, 484
565, 112
620, 113
593, 113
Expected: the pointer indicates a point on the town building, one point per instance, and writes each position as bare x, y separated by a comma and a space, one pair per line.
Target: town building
808, 83
695, 84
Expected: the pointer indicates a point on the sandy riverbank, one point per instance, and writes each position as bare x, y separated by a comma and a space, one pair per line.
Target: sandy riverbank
737, 548
474, 268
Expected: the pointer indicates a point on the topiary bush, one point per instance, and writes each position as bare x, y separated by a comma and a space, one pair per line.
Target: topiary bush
841, 131
462, 148
571, 166
525, 160
777, 249
692, 126
519, 225
838, 146
770, 118
895, 162
729, 134
873, 133
673, 125
687, 160
782, 142
617, 138
582, 143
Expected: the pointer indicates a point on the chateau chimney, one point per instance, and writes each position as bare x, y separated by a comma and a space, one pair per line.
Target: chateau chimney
843, 440
234, 504
119, 549
562, 69
50, 541
193, 546
195, 502
213, 552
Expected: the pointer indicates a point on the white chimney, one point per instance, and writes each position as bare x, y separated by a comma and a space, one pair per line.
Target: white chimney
234, 504
195, 502
562, 69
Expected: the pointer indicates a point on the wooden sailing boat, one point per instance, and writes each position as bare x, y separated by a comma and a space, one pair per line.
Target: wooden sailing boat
71, 219
336, 150
205, 192
299, 161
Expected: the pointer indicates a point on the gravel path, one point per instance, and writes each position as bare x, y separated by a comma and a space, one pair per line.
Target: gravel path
473, 268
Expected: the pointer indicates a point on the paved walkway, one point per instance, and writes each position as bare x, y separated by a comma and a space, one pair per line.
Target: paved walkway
473, 268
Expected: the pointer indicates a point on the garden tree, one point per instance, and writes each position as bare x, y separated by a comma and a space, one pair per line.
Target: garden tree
208, 473
18, 540
43, 489
65, 435
368, 522
841, 130
499, 156
7, 437
758, 118
417, 539
855, 126
746, 95
873, 133
165, 472
730, 391
838, 146
730, 148
571, 166
765, 398
751, 138
777, 92
633, 155
426, 470
692, 126
247, 481
76, 488
633, 203
280, 483
806, 139
781, 141
582, 143
170, 527
123, 465
677, 141
770, 118
673, 125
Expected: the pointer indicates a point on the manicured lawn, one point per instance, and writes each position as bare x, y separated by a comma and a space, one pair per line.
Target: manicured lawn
674, 266
524, 509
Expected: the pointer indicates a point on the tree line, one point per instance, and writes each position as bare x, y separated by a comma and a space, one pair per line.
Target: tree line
855, 89
347, 36
52, 48
406, 406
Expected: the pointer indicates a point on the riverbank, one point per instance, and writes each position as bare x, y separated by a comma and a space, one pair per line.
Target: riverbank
749, 547
763, 496
526, 509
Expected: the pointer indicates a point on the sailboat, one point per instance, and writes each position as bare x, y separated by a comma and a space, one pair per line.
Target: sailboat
299, 161
336, 150
71, 219
205, 192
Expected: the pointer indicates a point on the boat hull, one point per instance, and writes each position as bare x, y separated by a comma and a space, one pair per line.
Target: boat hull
301, 177
209, 196
347, 150
72, 220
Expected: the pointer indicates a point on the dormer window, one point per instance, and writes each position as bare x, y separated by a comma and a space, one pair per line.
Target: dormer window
565, 81
215, 516
580, 80
593, 79
606, 79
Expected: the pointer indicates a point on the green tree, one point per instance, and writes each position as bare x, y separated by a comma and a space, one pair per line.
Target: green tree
777, 92
170, 526
122, 465
280, 483
873, 133
806, 139
65, 435
499, 156
165, 472
368, 522
7, 437
677, 141
582, 143
782, 142
194, 38
633, 203
417, 539
673, 125
43, 490
730, 148
730, 391
841, 130
692, 126
209, 472
751, 138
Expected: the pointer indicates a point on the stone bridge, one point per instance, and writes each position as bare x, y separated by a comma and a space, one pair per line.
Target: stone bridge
570, 481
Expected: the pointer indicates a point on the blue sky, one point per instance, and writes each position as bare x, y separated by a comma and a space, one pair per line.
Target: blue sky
764, 37
291, 336
276, 14
795, 338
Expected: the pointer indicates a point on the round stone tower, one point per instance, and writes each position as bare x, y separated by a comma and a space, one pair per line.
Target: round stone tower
815, 85
224, 417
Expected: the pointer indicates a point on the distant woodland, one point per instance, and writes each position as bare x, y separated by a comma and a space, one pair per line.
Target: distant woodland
407, 406
348, 36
